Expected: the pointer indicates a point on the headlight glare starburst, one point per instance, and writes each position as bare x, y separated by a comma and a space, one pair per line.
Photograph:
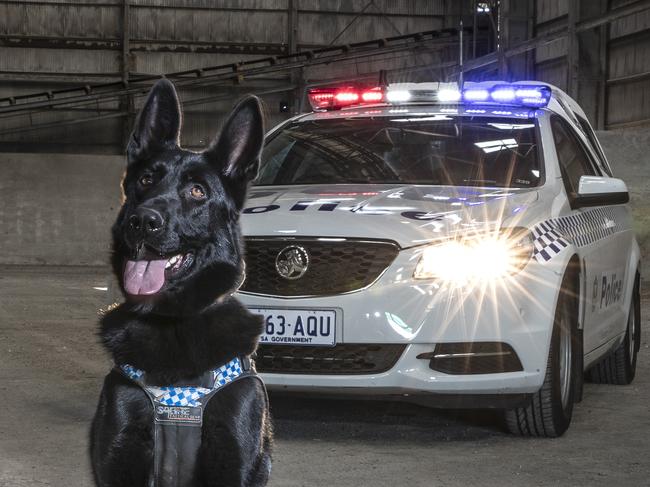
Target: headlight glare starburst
480, 258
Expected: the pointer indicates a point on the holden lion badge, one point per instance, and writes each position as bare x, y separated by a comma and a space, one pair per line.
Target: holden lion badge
292, 262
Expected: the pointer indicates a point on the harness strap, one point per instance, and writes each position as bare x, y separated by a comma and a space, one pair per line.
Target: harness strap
178, 416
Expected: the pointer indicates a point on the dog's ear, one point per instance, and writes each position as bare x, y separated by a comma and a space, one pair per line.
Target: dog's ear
158, 125
237, 149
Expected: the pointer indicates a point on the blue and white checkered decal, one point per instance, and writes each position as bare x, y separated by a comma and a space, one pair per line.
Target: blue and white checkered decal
552, 236
547, 242
187, 396
588, 227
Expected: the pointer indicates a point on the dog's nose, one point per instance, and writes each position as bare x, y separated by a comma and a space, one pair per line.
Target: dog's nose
146, 220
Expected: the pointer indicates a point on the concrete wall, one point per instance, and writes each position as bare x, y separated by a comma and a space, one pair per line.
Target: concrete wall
58, 209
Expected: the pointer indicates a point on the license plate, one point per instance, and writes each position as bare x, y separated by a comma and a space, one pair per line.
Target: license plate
315, 327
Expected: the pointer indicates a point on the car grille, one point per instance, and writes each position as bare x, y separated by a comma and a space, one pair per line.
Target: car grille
340, 359
334, 266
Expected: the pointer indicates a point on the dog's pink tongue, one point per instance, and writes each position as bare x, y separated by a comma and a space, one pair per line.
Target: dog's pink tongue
144, 276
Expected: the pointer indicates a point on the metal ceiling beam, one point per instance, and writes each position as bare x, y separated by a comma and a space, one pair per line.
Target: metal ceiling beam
152, 45
117, 3
108, 114
237, 71
631, 78
256, 85
62, 78
147, 45
615, 14
77, 79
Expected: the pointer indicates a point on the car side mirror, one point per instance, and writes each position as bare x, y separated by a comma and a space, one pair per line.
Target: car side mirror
599, 191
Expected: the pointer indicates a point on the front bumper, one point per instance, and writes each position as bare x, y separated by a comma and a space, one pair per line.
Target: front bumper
397, 309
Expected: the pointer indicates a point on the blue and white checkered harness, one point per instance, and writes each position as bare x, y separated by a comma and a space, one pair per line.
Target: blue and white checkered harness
190, 395
178, 418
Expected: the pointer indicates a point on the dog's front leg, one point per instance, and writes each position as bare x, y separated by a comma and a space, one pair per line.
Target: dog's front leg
121, 443
235, 445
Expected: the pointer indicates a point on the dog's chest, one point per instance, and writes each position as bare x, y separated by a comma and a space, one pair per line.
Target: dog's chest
178, 416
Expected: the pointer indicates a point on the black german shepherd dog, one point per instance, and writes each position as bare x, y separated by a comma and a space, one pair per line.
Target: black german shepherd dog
178, 255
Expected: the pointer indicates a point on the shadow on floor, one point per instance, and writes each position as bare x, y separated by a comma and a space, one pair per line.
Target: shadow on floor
368, 421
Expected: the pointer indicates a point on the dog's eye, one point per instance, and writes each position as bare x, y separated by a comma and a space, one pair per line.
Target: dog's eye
197, 192
146, 180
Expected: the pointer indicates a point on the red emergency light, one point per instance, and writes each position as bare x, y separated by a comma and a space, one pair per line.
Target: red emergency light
333, 98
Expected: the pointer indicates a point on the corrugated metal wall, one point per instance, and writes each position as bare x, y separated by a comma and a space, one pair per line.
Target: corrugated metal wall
50, 44
550, 60
629, 69
626, 58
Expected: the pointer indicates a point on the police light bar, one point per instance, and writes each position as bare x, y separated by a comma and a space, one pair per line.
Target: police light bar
528, 95
334, 98
511, 94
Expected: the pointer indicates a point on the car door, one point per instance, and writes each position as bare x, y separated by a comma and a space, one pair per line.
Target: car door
601, 234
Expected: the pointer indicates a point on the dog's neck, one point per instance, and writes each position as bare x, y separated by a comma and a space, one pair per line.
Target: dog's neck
178, 348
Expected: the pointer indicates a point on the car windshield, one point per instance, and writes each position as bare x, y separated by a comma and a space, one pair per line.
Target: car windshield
435, 150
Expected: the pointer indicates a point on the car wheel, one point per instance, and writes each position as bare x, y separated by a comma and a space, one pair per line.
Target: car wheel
549, 412
620, 366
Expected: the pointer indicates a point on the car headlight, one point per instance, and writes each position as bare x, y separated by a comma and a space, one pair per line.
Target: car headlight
477, 258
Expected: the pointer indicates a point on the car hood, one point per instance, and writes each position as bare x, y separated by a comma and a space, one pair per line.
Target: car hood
409, 215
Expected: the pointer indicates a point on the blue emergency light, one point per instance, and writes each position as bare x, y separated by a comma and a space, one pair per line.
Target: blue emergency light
512, 94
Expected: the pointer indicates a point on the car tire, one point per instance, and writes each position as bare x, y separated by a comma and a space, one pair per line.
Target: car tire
549, 412
619, 367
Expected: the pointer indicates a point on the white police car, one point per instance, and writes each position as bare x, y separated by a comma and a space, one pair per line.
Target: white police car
464, 248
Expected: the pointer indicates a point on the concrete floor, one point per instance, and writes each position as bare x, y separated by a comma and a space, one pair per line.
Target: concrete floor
51, 368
